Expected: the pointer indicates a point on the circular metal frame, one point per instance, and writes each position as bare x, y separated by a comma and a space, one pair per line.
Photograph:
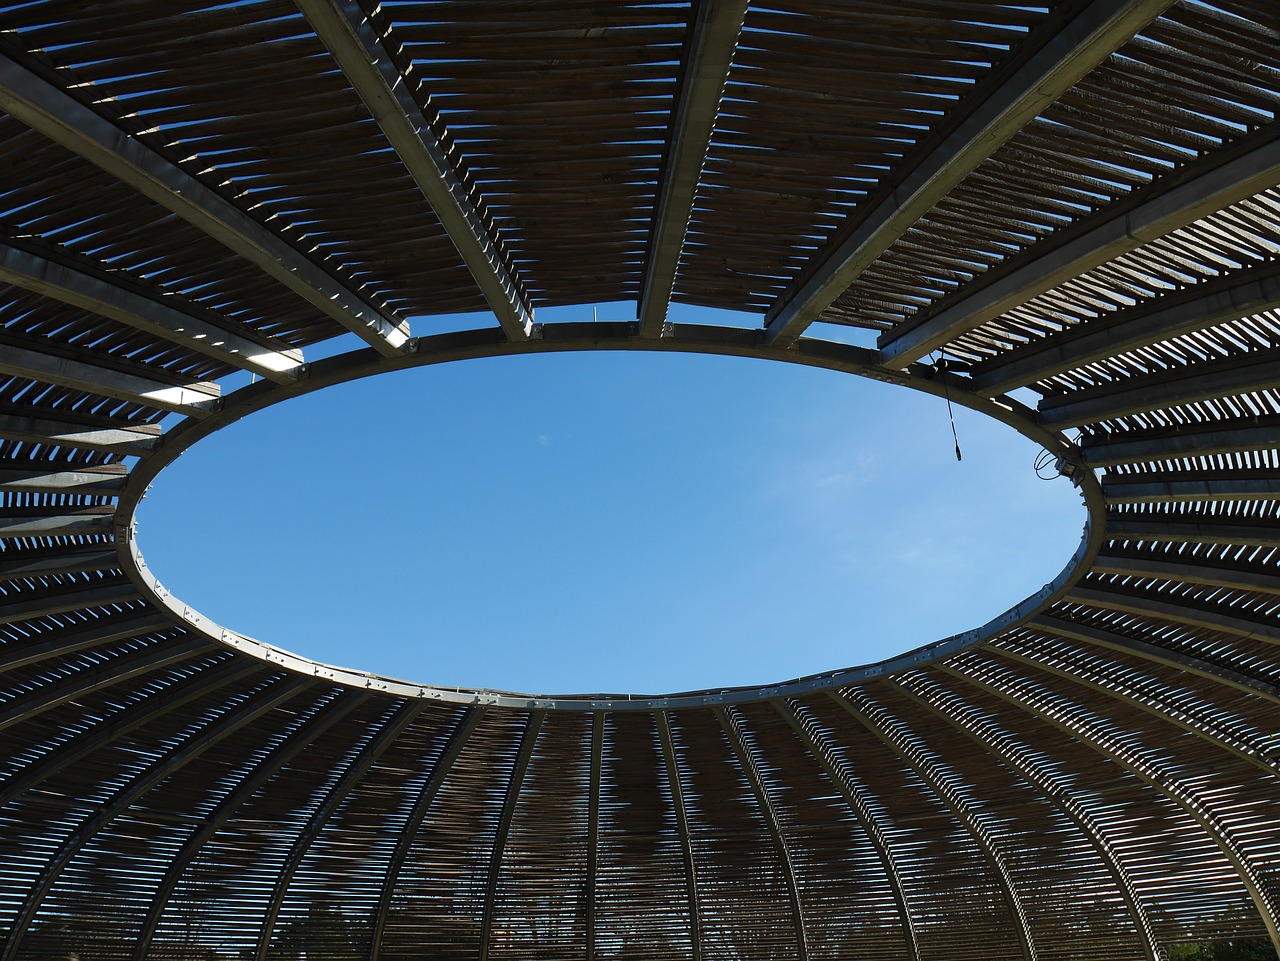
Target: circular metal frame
595, 336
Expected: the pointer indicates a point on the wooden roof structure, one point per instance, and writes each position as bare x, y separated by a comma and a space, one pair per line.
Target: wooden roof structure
1065, 214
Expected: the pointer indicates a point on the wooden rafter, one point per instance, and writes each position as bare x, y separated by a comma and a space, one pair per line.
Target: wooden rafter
42, 106
345, 29
711, 45
1090, 37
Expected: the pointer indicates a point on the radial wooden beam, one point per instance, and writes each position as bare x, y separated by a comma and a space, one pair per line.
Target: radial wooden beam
708, 57
943, 783
1159, 391
1067, 57
1196, 308
100, 632
1140, 447
41, 105
157, 704
369, 755
1143, 698
1154, 652
194, 399
19, 607
105, 479
1077, 724
58, 522
75, 281
593, 833
360, 53
1142, 489
114, 670
327, 716
75, 559
1201, 188
962, 718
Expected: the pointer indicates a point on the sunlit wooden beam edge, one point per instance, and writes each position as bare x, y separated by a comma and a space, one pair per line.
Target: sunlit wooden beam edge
66, 430
80, 285
196, 399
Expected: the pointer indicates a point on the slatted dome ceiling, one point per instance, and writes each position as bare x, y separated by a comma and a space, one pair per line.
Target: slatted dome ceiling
1078, 203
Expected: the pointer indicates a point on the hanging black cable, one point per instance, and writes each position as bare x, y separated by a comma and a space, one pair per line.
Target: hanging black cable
940, 365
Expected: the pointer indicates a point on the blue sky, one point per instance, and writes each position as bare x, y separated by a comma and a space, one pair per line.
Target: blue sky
624, 522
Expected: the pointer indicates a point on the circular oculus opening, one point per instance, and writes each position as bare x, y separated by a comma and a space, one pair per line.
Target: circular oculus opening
614, 521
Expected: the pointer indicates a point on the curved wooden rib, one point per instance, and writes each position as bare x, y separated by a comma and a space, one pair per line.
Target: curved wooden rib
163, 767
963, 718
396, 725
1161, 655
888, 731
527, 742
732, 728
421, 805
856, 799
1147, 771
682, 826
1232, 296
319, 724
